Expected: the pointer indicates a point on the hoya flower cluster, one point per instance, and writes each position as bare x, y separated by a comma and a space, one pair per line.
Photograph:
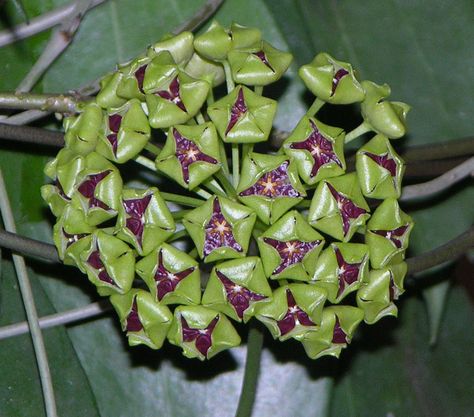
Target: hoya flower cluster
292, 238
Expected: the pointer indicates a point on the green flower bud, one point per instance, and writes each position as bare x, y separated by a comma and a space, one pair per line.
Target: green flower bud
145, 321
243, 116
295, 310
172, 276
144, 219
179, 46
83, 131
376, 296
338, 207
237, 288
331, 80
379, 169
387, 234
385, 117
172, 96
220, 229
244, 37
270, 185
318, 150
260, 65
191, 154
126, 132
204, 69
290, 248
335, 333
99, 188
341, 268
202, 332
107, 96
109, 264
132, 79
72, 235
215, 43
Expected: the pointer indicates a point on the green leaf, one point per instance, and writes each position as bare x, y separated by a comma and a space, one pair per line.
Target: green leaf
435, 299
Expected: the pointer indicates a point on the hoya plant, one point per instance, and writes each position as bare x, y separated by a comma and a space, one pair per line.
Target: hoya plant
207, 218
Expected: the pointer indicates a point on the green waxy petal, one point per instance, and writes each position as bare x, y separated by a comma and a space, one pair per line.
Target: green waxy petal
309, 301
82, 132
204, 69
385, 117
131, 81
223, 335
376, 296
179, 46
191, 154
323, 341
109, 264
379, 169
244, 36
151, 321
247, 281
341, 268
251, 124
215, 43
323, 78
339, 217
290, 248
270, 185
107, 97
388, 232
172, 276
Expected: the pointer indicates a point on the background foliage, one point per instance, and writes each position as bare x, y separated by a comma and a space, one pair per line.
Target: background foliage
424, 50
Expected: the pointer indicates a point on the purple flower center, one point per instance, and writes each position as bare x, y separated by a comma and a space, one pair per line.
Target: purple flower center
71, 238
347, 273
338, 336
293, 317
115, 120
237, 111
261, 55
320, 148
201, 337
87, 189
166, 281
337, 78
136, 208
133, 320
396, 236
291, 251
348, 210
275, 183
384, 161
96, 263
187, 153
173, 94
219, 232
237, 295
140, 76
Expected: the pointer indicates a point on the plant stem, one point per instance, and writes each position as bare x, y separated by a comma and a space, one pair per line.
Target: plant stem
317, 104
182, 199
229, 189
178, 235
28, 247
152, 148
30, 308
252, 371
358, 131
442, 150
228, 76
200, 119
202, 193
213, 186
31, 134
178, 215
46, 102
235, 164
258, 89
147, 163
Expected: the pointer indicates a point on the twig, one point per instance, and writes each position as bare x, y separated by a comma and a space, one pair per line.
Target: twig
200, 17
58, 319
452, 148
29, 303
31, 135
449, 251
28, 247
411, 192
45, 102
60, 39
39, 24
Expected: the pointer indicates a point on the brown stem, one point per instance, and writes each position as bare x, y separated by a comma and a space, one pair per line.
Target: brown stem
31, 135
28, 247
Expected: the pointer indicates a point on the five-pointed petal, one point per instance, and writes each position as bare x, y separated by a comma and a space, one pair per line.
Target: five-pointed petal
320, 148
135, 208
395, 236
87, 189
239, 296
261, 55
96, 263
115, 120
187, 153
385, 161
275, 183
238, 109
166, 281
140, 76
347, 273
293, 317
73, 238
291, 251
201, 337
173, 94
